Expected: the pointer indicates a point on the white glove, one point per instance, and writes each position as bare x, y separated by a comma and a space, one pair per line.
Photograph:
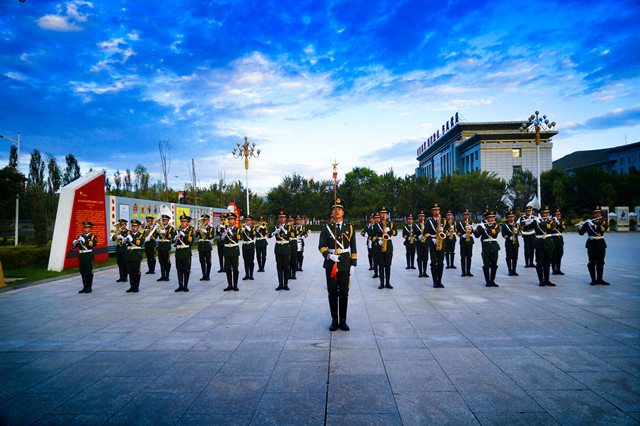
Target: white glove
129, 238
74, 242
247, 227
181, 232
81, 239
334, 257
380, 242
162, 231
387, 229
353, 268
435, 240
146, 240
120, 237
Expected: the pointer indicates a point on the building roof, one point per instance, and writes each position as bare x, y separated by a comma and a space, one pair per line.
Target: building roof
594, 157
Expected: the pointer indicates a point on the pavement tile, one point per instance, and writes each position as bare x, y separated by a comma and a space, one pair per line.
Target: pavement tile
419, 408
147, 363
230, 394
29, 408
73, 419
154, 409
573, 359
250, 363
296, 377
363, 419
417, 375
537, 374
362, 394
357, 361
629, 364
619, 388
184, 377
462, 360
515, 419
285, 408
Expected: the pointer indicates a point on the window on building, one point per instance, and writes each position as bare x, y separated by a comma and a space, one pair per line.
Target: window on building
623, 161
632, 160
476, 155
517, 152
517, 168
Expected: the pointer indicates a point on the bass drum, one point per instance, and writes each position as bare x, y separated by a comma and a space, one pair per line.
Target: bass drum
300, 244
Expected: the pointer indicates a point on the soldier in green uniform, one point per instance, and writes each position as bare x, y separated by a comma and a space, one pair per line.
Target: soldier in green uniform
436, 227
543, 227
558, 239
118, 236
375, 247
383, 232
409, 235
450, 241
85, 244
205, 235
248, 247
219, 229
183, 240
230, 238
134, 243
150, 246
302, 233
337, 245
465, 232
422, 245
293, 249
282, 233
166, 233
528, 237
510, 232
488, 232
596, 246
261, 243
366, 232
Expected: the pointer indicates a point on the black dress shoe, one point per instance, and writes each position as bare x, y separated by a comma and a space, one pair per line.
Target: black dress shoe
121, 281
375, 276
550, 284
203, 278
333, 326
381, 286
494, 285
229, 288
440, 286
245, 278
186, 290
540, 284
389, 286
279, 288
602, 282
129, 291
150, 272
286, 287
344, 326
160, 279
178, 289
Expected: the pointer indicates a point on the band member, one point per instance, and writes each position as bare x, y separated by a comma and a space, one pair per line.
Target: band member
134, 242
596, 246
183, 240
488, 232
528, 237
558, 239
85, 244
248, 247
338, 247
302, 233
510, 232
230, 238
261, 243
293, 249
382, 236
375, 247
543, 227
118, 236
205, 234
367, 231
220, 228
450, 241
436, 228
465, 232
422, 248
166, 233
150, 246
282, 233
409, 235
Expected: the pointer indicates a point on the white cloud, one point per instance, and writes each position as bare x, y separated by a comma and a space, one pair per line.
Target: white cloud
57, 23
67, 18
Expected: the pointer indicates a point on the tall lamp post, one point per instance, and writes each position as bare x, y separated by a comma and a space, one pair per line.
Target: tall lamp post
246, 151
17, 143
535, 123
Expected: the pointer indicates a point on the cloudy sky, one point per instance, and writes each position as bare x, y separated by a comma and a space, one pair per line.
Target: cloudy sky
364, 82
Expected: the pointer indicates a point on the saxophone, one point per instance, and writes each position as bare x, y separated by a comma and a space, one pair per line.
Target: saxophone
411, 236
514, 233
423, 236
440, 236
467, 231
451, 230
385, 237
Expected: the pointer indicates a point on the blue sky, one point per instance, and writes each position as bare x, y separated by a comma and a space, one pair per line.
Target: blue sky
362, 82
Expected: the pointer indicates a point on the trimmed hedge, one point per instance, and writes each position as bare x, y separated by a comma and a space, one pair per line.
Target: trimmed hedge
24, 256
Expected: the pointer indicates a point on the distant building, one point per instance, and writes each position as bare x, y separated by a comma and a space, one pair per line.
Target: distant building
498, 147
618, 160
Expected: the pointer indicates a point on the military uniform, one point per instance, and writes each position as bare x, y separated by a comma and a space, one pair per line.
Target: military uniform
302, 233
205, 247
293, 249
596, 246
183, 240
248, 248
528, 237
282, 233
134, 243
464, 231
422, 245
409, 234
150, 246
558, 239
85, 244
367, 232
543, 228
434, 227
337, 244
230, 238
121, 250
261, 243
219, 229
166, 234
450, 241
510, 232
385, 250
488, 233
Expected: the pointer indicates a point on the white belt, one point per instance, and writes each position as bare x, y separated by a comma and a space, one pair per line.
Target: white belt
249, 242
556, 235
135, 248
207, 241
596, 237
261, 238
182, 246
542, 236
340, 251
282, 242
528, 232
231, 244
85, 251
489, 240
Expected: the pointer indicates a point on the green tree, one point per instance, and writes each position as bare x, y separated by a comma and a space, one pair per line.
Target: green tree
10, 186
521, 188
127, 183
54, 178
117, 180
36, 171
72, 171
141, 180
13, 157
107, 182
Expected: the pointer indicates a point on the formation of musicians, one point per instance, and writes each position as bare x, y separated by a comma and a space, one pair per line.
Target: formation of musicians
431, 238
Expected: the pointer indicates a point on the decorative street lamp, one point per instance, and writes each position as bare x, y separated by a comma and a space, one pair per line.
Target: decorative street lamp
17, 143
246, 150
535, 124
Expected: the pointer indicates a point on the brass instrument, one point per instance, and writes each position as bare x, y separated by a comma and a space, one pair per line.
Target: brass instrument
159, 226
115, 232
514, 233
451, 230
440, 236
467, 231
385, 237
423, 236
411, 237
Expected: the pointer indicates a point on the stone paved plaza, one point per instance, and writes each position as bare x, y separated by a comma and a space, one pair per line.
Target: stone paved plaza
465, 354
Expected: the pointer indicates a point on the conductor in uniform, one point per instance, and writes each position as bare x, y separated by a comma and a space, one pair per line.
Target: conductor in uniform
230, 238
595, 229
85, 244
282, 233
150, 246
205, 235
134, 242
488, 233
337, 244
183, 240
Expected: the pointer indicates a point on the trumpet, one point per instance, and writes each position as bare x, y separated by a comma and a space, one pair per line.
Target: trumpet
385, 238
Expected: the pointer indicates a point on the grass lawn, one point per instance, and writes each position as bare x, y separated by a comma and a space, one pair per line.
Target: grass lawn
39, 272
